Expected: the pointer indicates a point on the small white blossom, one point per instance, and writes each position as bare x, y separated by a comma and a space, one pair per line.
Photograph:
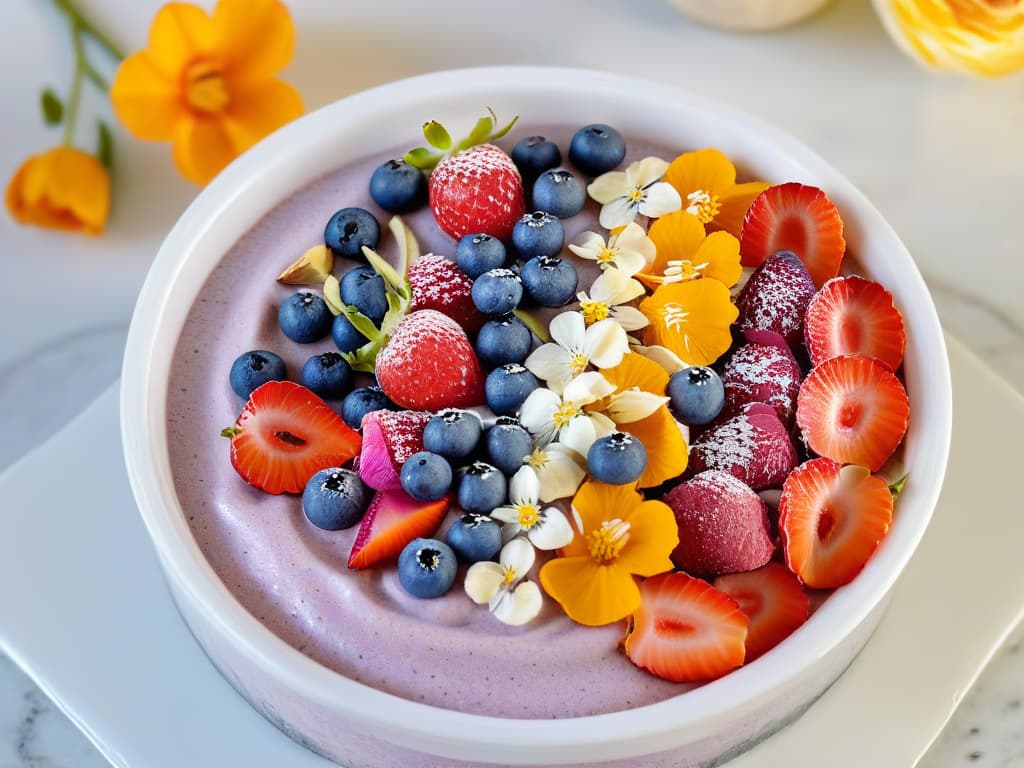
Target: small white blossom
575, 347
638, 189
546, 528
628, 250
501, 585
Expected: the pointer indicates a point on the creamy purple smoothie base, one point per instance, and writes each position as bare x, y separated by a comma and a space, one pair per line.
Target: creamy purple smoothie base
447, 652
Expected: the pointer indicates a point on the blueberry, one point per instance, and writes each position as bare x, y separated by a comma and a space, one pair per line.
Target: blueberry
697, 394
538, 234
508, 445
426, 476
328, 375
426, 568
507, 387
503, 340
475, 537
304, 317
349, 230
334, 499
362, 401
534, 155
346, 337
559, 193
475, 254
254, 369
363, 289
398, 187
617, 459
497, 291
550, 280
482, 487
453, 433
597, 148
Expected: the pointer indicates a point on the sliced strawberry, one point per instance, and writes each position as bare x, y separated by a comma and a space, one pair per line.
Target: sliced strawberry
798, 218
429, 364
831, 519
393, 520
686, 630
477, 191
854, 410
772, 599
854, 316
286, 434
389, 439
438, 283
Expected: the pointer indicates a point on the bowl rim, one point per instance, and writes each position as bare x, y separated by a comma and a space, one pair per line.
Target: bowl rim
422, 727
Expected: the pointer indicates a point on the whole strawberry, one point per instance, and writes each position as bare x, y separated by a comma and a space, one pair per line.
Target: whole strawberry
429, 364
475, 188
477, 191
438, 283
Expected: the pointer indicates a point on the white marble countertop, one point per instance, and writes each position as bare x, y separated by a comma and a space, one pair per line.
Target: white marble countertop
940, 156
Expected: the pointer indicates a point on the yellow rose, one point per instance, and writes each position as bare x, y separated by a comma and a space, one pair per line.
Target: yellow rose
985, 37
63, 188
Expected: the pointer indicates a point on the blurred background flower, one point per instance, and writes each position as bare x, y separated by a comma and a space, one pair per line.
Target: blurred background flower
63, 188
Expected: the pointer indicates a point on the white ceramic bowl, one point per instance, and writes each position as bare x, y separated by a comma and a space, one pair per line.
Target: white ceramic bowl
360, 726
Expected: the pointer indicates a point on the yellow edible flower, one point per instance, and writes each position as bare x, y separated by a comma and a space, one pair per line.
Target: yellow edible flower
691, 319
985, 37
706, 181
619, 536
63, 188
206, 82
684, 252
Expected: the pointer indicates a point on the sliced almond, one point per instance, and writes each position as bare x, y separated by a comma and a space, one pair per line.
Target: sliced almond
311, 268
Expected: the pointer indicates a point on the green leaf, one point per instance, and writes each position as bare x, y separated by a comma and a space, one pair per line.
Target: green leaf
480, 133
52, 106
105, 152
332, 295
896, 488
422, 158
535, 325
385, 270
502, 131
437, 136
408, 246
230, 431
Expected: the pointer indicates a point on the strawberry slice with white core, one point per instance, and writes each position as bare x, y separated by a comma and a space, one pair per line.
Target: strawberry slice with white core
854, 316
798, 218
773, 600
686, 630
854, 410
831, 519
286, 434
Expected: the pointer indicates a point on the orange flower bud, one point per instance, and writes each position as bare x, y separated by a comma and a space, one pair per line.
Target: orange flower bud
63, 188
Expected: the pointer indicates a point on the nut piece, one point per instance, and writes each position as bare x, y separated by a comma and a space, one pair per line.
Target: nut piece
312, 268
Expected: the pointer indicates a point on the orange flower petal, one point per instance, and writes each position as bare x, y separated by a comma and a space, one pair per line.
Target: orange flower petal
179, 34
667, 453
692, 319
653, 534
259, 110
63, 188
202, 147
255, 38
146, 103
596, 502
589, 593
721, 252
708, 170
675, 236
733, 206
637, 371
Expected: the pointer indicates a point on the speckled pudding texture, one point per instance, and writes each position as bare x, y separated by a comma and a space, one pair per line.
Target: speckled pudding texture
447, 652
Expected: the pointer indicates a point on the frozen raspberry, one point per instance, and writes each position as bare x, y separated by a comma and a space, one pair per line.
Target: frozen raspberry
776, 297
762, 372
754, 447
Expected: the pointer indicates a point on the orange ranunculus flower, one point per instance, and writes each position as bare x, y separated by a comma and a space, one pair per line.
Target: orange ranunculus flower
206, 83
985, 37
63, 188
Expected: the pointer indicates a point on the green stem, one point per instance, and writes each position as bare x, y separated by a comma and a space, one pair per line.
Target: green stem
82, 23
76, 86
97, 79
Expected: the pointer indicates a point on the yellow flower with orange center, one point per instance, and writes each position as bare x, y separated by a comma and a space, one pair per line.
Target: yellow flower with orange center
684, 252
691, 319
619, 536
706, 181
667, 453
62, 188
206, 82
985, 37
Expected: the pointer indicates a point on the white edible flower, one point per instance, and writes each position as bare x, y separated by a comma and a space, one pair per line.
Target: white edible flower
576, 346
638, 189
629, 250
545, 528
560, 470
609, 291
548, 415
512, 600
663, 356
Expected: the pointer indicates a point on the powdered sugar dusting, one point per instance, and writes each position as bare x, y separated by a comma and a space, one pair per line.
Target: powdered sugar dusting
753, 447
776, 297
403, 432
758, 373
479, 190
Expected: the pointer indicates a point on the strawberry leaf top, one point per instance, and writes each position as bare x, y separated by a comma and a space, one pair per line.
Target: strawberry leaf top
441, 141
